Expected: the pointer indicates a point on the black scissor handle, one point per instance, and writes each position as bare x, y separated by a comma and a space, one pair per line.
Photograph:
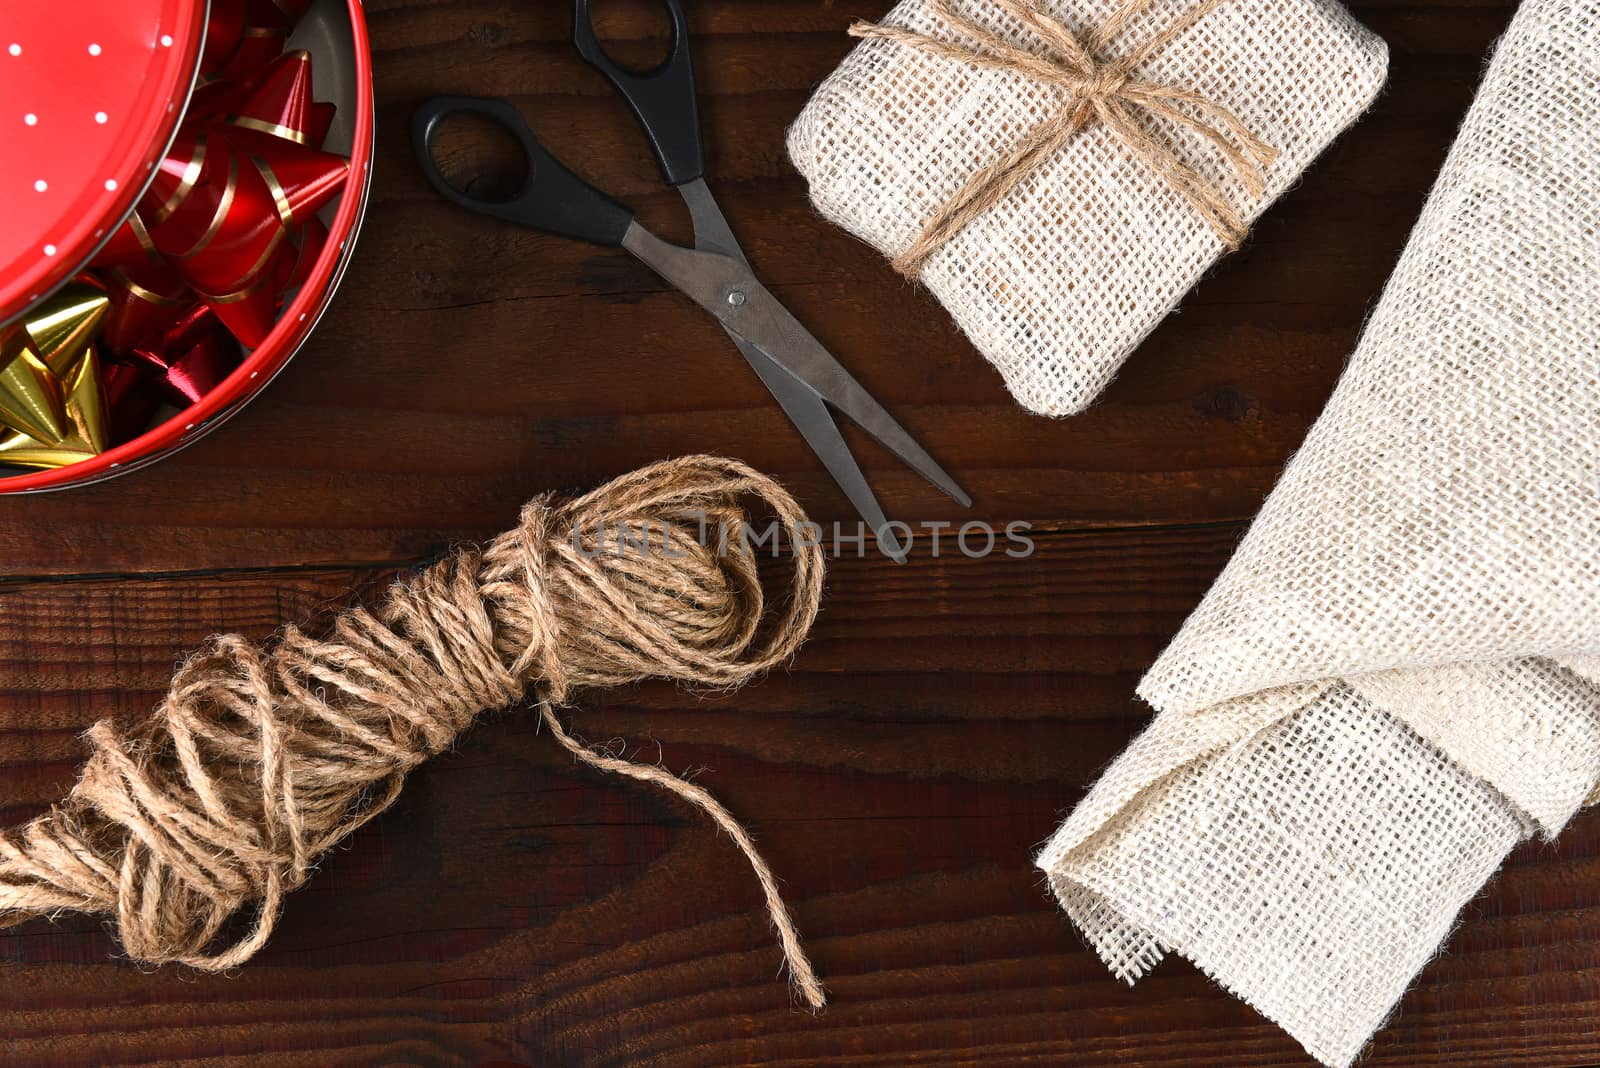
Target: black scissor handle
551, 199
662, 99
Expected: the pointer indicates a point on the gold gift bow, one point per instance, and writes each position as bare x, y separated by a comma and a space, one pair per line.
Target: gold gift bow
1104, 90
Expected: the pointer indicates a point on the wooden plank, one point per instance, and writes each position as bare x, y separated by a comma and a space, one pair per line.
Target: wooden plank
515, 909
465, 366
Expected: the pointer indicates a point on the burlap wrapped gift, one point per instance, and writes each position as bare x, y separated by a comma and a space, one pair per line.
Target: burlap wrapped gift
1059, 280
1397, 677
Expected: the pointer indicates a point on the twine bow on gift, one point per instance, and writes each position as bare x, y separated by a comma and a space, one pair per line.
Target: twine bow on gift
262, 757
1096, 89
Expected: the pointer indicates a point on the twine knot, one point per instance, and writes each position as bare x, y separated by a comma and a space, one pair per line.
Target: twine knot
1105, 83
1103, 90
261, 758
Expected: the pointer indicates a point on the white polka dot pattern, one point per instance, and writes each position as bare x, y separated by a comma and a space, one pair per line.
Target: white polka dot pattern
85, 106
1061, 280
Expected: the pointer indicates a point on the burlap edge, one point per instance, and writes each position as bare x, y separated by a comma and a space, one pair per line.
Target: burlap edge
1073, 892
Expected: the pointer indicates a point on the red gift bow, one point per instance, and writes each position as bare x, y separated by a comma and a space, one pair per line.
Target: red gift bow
226, 218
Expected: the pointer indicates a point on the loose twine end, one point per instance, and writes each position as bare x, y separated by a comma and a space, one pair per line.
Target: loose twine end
263, 757
801, 974
1095, 90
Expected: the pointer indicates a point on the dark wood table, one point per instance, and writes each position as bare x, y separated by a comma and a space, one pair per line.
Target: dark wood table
515, 909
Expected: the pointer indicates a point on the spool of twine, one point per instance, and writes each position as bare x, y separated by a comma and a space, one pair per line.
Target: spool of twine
262, 757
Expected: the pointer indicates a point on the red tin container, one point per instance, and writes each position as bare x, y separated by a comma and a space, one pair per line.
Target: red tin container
94, 163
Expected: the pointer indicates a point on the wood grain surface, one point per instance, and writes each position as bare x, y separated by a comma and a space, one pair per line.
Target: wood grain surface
514, 909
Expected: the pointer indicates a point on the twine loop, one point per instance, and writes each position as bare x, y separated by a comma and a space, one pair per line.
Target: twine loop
1095, 89
262, 757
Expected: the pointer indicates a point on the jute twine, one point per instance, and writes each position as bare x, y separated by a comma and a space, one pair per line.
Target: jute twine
1094, 88
261, 758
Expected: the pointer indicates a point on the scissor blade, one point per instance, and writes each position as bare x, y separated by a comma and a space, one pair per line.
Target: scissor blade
805, 409
811, 417
725, 287
771, 328
711, 230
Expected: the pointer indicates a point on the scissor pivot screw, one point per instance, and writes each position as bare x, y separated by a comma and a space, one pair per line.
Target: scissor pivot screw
736, 297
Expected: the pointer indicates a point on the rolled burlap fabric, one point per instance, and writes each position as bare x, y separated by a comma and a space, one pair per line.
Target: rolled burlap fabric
1188, 118
1397, 677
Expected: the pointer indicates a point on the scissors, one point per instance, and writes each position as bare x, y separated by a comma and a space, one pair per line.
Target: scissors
802, 375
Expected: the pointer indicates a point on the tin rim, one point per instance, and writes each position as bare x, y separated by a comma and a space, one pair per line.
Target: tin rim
273, 354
